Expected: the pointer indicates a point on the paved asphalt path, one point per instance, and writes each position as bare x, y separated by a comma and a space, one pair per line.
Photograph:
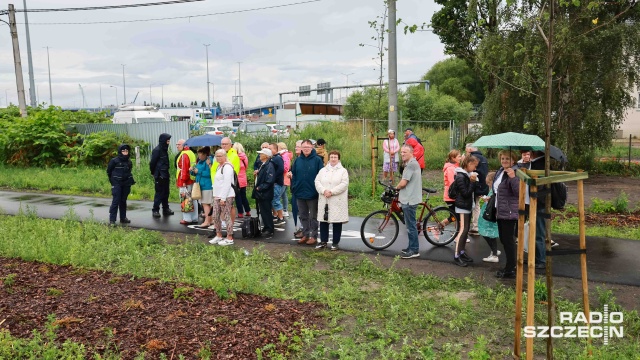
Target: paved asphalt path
609, 260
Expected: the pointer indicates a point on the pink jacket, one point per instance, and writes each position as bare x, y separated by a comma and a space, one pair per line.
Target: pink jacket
449, 170
242, 176
287, 156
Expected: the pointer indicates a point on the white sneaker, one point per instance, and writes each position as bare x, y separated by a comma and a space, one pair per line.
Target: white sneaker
468, 240
285, 213
491, 258
554, 244
225, 242
215, 240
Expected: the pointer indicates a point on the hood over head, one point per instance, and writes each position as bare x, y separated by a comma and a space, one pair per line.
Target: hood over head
163, 141
124, 147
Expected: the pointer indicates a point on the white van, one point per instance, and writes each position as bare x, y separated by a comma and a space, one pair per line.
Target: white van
132, 114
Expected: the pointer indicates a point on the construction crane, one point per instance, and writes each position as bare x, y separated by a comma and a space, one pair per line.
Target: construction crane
84, 103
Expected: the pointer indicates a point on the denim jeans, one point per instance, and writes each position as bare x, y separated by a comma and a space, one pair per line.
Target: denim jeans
412, 228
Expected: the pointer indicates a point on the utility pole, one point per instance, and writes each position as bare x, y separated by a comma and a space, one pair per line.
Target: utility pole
17, 62
33, 97
393, 67
206, 46
124, 87
240, 90
162, 89
49, 68
347, 75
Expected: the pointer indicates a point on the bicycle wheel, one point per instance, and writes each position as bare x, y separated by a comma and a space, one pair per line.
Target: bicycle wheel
440, 227
379, 231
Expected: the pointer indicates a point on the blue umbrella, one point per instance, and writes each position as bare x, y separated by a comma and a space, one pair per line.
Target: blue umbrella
204, 140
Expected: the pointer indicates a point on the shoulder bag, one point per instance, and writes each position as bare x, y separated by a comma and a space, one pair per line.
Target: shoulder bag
490, 211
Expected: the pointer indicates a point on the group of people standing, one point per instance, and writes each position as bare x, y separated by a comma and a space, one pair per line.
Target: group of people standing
319, 191
470, 177
319, 187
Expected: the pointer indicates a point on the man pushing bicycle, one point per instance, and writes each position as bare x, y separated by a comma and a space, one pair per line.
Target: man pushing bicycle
410, 195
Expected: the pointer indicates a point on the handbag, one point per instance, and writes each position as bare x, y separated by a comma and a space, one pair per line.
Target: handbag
196, 193
490, 212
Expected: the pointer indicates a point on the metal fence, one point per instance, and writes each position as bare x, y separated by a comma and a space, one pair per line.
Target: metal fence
149, 132
456, 137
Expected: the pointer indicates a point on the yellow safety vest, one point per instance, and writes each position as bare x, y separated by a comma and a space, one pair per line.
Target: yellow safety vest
192, 162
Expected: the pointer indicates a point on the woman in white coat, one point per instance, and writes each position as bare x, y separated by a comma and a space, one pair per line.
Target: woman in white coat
332, 184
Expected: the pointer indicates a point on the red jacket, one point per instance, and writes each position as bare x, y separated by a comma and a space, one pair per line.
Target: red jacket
418, 150
184, 177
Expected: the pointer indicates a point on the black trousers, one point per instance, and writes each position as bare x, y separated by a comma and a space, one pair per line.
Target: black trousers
162, 194
264, 207
242, 203
119, 201
506, 231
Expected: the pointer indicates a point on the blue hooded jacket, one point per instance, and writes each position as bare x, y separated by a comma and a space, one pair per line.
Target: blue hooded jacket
304, 172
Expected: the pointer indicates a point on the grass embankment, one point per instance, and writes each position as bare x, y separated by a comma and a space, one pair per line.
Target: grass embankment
371, 311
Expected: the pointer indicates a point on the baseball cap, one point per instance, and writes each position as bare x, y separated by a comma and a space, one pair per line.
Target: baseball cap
266, 152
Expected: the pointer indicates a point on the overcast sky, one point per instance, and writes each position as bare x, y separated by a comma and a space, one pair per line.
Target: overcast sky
280, 49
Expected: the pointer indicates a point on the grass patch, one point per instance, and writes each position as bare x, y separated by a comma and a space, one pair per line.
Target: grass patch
372, 311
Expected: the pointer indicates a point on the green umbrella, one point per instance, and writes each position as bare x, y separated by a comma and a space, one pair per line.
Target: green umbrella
511, 141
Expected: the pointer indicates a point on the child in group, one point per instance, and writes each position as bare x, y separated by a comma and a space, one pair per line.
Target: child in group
489, 229
465, 185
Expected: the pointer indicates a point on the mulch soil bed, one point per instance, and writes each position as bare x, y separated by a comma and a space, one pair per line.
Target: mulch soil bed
625, 220
143, 315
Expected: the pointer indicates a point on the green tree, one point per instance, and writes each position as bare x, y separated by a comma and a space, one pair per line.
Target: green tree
455, 78
366, 104
421, 105
593, 60
204, 104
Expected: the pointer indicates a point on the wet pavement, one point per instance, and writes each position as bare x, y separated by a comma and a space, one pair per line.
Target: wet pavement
608, 260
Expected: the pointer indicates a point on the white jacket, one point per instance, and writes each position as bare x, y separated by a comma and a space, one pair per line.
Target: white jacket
336, 180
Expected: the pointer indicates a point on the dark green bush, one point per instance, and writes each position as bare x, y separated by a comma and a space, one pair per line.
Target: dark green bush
98, 148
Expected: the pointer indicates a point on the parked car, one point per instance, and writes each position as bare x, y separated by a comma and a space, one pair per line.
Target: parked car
218, 130
253, 129
279, 130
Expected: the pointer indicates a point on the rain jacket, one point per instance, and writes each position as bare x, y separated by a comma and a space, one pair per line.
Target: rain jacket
159, 163
303, 175
119, 168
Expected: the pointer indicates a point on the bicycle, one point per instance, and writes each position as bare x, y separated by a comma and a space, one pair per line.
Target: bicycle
380, 229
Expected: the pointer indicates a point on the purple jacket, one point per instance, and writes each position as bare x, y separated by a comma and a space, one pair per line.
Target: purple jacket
508, 196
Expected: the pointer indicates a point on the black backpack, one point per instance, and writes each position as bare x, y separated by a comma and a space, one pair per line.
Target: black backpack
558, 195
235, 185
453, 191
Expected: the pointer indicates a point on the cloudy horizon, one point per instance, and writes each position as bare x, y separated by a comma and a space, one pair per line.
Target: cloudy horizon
279, 50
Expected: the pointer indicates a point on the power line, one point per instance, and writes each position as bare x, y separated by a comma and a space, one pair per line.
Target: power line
181, 17
109, 7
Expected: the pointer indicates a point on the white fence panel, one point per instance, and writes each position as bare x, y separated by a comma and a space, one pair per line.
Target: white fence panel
149, 132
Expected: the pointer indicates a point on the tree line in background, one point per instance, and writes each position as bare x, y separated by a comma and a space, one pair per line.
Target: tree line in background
592, 48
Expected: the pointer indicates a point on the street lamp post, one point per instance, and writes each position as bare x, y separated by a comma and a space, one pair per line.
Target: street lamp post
206, 46
49, 68
124, 86
117, 103
162, 89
